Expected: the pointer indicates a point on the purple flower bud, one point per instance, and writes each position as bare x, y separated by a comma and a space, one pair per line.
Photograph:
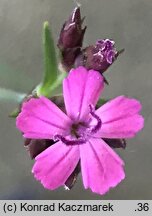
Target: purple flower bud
72, 178
59, 101
116, 143
36, 146
71, 38
71, 34
98, 57
68, 57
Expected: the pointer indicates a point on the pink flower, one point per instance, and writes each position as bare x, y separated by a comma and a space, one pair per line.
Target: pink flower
80, 132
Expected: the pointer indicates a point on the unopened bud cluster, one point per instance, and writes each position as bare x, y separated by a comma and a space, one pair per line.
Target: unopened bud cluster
98, 57
71, 38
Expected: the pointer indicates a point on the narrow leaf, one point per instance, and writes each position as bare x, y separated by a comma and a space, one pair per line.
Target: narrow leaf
53, 89
102, 102
14, 113
50, 61
9, 95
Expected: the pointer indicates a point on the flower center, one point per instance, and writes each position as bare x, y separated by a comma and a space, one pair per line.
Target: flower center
82, 131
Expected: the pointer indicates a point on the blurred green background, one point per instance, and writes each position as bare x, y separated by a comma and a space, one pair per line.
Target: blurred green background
129, 23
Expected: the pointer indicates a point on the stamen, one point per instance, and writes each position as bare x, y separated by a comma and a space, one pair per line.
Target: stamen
99, 122
69, 142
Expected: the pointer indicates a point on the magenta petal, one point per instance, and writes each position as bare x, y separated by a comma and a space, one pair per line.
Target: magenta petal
101, 167
42, 119
55, 165
120, 118
81, 88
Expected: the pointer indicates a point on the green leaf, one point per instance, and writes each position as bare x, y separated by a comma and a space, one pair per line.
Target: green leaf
53, 89
14, 113
50, 61
10, 95
102, 102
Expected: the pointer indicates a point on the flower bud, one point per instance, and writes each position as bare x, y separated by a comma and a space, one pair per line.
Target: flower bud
71, 38
71, 34
116, 143
36, 146
98, 57
70, 182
